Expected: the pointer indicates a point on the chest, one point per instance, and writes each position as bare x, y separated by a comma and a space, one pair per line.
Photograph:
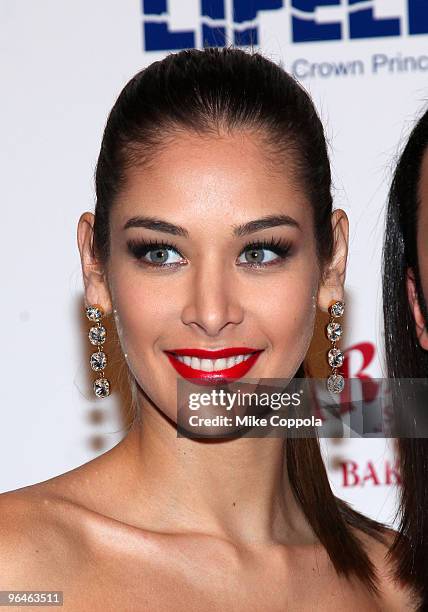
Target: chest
183, 585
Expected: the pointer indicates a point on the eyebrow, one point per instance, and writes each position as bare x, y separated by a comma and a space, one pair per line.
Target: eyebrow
264, 223
159, 225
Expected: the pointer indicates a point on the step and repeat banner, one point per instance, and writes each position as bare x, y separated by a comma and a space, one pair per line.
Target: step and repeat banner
63, 64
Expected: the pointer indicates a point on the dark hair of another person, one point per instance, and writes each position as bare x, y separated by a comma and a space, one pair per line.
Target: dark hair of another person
405, 357
213, 92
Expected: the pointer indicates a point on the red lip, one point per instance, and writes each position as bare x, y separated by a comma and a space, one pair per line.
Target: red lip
219, 376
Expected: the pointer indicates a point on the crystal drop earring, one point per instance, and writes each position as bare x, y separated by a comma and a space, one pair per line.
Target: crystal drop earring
335, 382
98, 360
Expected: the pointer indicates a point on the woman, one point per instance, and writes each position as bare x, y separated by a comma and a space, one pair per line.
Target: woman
405, 295
213, 229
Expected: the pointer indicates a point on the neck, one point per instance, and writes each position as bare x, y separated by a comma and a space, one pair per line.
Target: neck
232, 489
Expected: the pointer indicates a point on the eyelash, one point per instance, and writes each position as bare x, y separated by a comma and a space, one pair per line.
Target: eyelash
140, 248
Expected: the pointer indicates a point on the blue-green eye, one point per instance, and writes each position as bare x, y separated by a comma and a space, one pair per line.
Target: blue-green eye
160, 254
266, 252
258, 256
154, 253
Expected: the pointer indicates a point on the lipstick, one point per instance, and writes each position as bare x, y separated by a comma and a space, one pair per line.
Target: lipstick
213, 366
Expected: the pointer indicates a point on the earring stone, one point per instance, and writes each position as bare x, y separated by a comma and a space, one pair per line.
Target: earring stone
94, 313
97, 335
98, 361
335, 358
337, 309
334, 331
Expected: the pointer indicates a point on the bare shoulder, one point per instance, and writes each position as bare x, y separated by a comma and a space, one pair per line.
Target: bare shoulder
395, 597
36, 538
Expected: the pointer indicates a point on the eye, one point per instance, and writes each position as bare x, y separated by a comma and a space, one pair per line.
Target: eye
161, 254
265, 252
258, 255
155, 253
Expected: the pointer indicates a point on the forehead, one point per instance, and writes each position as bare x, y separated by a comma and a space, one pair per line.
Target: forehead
218, 178
422, 216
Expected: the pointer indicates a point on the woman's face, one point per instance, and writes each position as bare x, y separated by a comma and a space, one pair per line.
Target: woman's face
419, 303
205, 287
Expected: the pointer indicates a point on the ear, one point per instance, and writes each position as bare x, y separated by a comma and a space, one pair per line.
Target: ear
331, 287
420, 323
94, 276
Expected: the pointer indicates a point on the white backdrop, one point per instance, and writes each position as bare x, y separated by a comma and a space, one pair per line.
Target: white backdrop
63, 65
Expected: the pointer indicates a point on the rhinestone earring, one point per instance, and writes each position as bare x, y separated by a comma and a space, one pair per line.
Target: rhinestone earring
98, 361
335, 382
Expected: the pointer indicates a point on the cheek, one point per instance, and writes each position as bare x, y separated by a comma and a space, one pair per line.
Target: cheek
144, 315
292, 316
138, 316
422, 253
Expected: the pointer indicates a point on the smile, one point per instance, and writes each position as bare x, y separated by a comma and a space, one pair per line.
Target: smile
213, 366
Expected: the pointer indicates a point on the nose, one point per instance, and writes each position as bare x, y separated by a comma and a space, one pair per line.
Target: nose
213, 300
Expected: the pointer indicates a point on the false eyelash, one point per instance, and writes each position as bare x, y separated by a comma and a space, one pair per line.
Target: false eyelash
281, 247
140, 248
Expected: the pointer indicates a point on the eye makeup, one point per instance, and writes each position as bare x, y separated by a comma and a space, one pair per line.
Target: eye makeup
140, 248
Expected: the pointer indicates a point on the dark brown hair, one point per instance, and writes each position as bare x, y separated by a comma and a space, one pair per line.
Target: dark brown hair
216, 91
405, 357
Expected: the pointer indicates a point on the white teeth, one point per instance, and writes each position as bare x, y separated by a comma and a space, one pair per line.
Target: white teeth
230, 362
220, 364
207, 365
212, 365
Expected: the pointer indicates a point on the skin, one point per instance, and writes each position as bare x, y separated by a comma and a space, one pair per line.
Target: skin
422, 229
160, 522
